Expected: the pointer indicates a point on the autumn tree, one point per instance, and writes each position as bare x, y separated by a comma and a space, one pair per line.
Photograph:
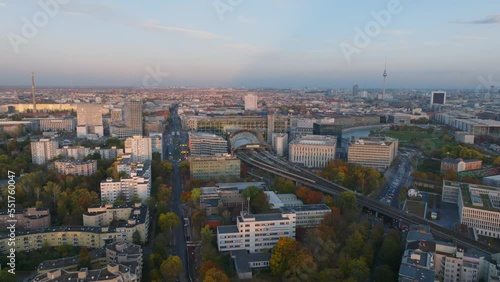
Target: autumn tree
171, 268
168, 221
208, 251
215, 275
206, 266
84, 259
259, 202
283, 185
284, 251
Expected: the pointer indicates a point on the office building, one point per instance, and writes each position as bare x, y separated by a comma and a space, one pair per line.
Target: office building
251, 102
438, 98
280, 143
89, 120
133, 116
44, 150
29, 219
307, 216
355, 90
57, 124
312, 151
255, 232
116, 115
70, 167
140, 148
375, 152
214, 167
478, 206
205, 144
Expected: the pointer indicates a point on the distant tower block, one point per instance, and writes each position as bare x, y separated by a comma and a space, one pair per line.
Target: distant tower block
385, 76
33, 90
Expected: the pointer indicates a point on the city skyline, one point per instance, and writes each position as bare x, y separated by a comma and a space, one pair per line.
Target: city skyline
250, 44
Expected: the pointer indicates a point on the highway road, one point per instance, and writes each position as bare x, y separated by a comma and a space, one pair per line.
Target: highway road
268, 162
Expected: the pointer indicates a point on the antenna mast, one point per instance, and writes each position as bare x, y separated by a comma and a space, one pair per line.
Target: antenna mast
384, 75
33, 91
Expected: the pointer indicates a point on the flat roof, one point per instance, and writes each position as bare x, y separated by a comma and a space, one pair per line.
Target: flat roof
242, 259
227, 229
304, 208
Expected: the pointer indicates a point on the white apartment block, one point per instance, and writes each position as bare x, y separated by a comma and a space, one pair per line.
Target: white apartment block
139, 147
313, 151
44, 150
280, 143
375, 152
89, 118
69, 167
137, 183
255, 232
478, 206
251, 102
206, 144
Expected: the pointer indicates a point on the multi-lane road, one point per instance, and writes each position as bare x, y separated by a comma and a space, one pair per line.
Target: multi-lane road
266, 161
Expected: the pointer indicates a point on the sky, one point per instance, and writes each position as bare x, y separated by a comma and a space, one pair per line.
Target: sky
250, 43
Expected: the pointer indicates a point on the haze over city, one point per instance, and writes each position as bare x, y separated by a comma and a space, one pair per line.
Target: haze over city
428, 44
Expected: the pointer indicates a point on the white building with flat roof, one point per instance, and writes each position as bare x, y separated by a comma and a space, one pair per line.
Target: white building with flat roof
478, 206
375, 152
139, 147
251, 102
44, 150
206, 144
313, 151
255, 232
280, 143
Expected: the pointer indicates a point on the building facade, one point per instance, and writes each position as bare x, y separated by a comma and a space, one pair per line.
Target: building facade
204, 144
255, 232
30, 219
280, 143
251, 102
312, 151
58, 124
217, 167
375, 152
69, 167
89, 120
140, 148
44, 150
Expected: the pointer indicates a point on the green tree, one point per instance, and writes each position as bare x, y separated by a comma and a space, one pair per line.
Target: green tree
301, 267
84, 259
283, 185
259, 202
171, 268
5, 276
136, 237
348, 205
168, 221
383, 273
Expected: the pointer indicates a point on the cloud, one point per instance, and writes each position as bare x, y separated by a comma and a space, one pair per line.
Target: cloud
396, 31
492, 19
185, 31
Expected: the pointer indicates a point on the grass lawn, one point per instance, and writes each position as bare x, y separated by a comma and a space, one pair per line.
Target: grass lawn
426, 141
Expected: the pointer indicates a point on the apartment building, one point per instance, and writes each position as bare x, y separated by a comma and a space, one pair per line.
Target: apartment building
157, 144
58, 124
255, 232
31, 218
458, 165
140, 148
70, 167
312, 151
375, 152
217, 167
280, 143
205, 144
136, 183
113, 272
44, 150
478, 206
251, 102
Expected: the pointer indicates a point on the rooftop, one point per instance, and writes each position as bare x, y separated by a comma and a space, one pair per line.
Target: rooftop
304, 208
227, 229
242, 259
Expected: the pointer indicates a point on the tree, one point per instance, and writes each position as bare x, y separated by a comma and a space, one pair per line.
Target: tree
171, 268
215, 275
84, 260
282, 253
259, 202
301, 267
207, 249
168, 221
136, 237
206, 266
383, 273
348, 205
283, 185
5, 276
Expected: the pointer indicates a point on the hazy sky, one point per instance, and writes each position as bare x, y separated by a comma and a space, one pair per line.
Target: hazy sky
250, 43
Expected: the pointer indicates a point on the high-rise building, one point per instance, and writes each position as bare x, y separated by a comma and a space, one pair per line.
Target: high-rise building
375, 152
133, 116
206, 144
208, 167
438, 98
280, 143
139, 147
251, 102
136, 183
116, 115
89, 120
157, 143
312, 150
355, 90
44, 150
70, 167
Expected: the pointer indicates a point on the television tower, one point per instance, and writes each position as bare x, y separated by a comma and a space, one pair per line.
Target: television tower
33, 91
384, 75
